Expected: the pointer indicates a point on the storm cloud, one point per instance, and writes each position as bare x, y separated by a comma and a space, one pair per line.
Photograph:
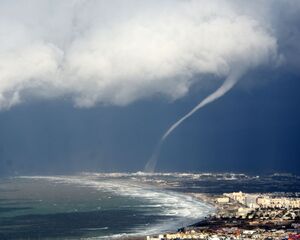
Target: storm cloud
117, 52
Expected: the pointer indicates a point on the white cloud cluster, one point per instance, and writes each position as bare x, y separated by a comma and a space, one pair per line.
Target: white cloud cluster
116, 52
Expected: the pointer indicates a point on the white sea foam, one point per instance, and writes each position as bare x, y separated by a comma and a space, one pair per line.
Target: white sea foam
217, 176
180, 209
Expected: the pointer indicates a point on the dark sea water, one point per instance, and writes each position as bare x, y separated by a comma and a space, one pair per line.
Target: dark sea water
102, 206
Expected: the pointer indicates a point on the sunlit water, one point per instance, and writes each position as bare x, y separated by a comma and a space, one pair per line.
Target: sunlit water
91, 206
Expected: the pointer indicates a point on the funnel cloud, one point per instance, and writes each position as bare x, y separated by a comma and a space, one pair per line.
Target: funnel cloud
226, 86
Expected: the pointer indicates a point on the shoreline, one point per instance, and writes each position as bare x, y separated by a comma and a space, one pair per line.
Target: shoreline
236, 219
204, 200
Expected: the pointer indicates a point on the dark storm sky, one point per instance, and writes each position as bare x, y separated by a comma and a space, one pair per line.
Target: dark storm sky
93, 85
252, 129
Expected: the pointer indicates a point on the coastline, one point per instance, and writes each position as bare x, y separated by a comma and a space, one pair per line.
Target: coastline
180, 197
202, 198
237, 220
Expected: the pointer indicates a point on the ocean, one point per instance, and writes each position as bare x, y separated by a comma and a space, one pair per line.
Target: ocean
109, 205
89, 206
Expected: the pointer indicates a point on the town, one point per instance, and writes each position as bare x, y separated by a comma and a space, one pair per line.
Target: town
241, 215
